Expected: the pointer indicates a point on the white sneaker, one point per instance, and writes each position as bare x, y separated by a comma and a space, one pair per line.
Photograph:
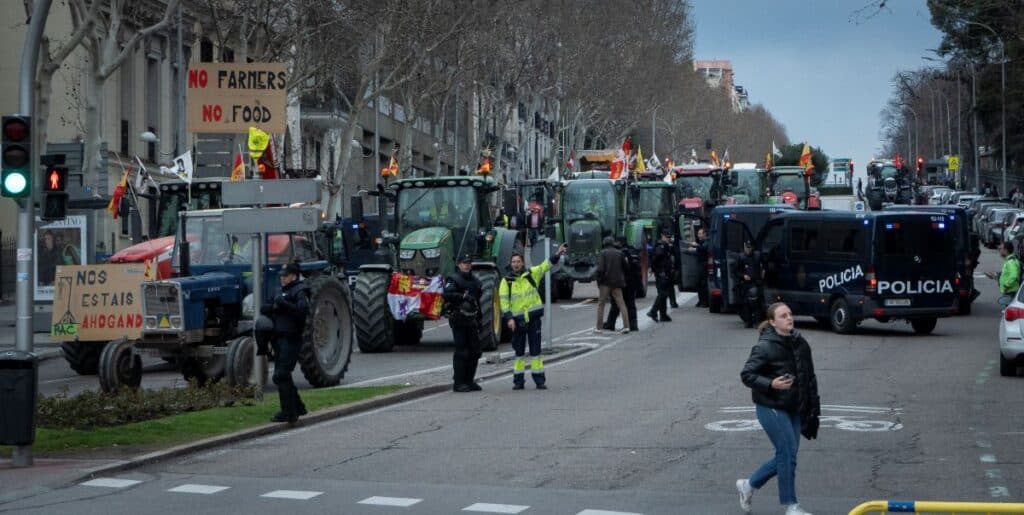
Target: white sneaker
746, 492
795, 509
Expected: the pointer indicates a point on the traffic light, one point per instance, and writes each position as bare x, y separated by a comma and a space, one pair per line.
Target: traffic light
55, 199
16, 160
920, 164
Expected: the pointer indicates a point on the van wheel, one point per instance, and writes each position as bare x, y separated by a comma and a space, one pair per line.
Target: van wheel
1007, 368
840, 318
923, 325
715, 305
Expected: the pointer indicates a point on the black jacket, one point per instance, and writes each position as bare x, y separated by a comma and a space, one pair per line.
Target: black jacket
462, 289
289, 309
634, 275
749, 265
661, 259
774, 356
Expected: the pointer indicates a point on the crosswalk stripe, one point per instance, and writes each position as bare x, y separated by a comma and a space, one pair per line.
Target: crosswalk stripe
603, 512
400, 502
198, 489
483, 507
298, 495
108, 482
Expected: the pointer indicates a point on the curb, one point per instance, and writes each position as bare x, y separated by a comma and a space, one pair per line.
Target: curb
308, 420
41, 354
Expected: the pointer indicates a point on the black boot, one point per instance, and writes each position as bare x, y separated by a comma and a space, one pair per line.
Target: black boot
458, 372
468, 378
518, 381
665, 317
653, 315
540, 380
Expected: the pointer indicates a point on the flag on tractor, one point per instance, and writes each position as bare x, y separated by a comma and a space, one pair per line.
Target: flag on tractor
805, 158
408, 294
258, 142
238, 169
775, 150
768, 164
571, 163
392, 168
627, 146
114, 208
266, 164
485, 167
725, 159
714, 159
640, 167
617, 167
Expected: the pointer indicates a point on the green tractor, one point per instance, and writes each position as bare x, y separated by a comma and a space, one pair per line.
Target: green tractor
435, 219
747, 185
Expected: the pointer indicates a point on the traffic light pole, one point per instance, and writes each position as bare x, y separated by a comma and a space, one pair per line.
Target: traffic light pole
22, 454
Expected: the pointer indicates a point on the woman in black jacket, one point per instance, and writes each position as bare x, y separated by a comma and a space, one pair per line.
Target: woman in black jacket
780, 374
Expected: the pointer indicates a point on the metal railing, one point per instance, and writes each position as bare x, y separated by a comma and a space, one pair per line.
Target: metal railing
936, 507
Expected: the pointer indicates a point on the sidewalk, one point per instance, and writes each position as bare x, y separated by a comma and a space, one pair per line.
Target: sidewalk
43, 345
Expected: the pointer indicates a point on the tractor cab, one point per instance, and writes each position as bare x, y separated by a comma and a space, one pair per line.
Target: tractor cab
700, 188
792, 185
747, 186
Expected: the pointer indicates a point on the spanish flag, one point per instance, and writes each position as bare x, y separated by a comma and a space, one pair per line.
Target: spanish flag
768, 161
805, 158
485, 167
238, 169
391, 170
114, 208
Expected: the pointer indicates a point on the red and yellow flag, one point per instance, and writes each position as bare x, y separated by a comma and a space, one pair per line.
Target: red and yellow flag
238, 169
714, 159
617, 167
805, 158
114, 208
768, 164
485, 167
391, 170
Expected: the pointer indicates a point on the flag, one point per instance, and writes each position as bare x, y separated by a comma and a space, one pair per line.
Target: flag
640, 166
768, 165
627, 146
805, 158
485, 167
408, 294
114, 208
617, 167
725, 159
266, 164
238, 169
714, 159
392, 168
141, 176
570, 164
258, 142
775, 150
181, 167
669, 177
655, 162
555, 176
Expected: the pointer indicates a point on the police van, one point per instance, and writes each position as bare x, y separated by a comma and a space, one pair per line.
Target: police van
842, 268
964, 247
728, 227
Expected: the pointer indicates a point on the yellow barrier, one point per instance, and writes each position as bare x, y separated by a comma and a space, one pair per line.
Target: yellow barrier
937, 507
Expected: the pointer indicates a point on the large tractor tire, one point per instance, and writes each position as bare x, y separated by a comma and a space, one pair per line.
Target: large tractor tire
119, 367
490, 309
203, 370
83, 357
240, 363
327, 337
374, 325
408, 332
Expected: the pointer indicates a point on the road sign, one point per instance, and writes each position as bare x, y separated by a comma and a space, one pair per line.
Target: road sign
231, 97
271, 220
954, 163
282, 191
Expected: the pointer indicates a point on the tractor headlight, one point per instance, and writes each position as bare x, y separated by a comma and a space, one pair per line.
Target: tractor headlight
433, 253
150, 322
406, 254
176, 322
248, 310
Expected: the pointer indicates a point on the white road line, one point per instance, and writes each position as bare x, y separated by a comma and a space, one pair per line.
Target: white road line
109, 482
482, 507
399, 376
987, 458
427, 330
297, 495
198, 489
400, 502
604, 512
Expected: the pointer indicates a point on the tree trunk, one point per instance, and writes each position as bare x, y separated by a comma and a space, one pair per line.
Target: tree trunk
405, 154
334, 182
92, 158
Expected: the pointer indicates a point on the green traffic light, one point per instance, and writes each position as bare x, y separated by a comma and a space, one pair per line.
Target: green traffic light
14, 184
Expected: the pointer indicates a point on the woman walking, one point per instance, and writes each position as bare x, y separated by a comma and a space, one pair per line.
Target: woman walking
780, 374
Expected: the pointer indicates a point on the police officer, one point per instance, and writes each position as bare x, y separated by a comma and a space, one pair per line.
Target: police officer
634, 281
462, 295
521, 311
701, 245
661, 263
288, 309
750, 278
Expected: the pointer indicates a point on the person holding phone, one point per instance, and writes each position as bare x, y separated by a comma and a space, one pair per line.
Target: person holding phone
780, 374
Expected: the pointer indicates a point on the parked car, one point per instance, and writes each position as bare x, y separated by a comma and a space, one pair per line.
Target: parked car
1015, 227
935, 195
964, 199
1011, 336
981, 210
992, 228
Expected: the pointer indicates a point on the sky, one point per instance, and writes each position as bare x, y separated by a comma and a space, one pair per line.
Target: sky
821, 68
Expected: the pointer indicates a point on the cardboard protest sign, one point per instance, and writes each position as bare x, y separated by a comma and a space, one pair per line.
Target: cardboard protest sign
97, 302
231, 97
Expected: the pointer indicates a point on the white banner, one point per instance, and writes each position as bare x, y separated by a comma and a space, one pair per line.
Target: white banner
181, 167
57, 243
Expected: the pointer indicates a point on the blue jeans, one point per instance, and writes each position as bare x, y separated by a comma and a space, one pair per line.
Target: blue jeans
783, 430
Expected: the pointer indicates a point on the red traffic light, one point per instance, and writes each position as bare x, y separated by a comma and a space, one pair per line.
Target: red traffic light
15, 129
55, 179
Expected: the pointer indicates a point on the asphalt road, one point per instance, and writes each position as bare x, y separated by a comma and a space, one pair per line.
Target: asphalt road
652, 422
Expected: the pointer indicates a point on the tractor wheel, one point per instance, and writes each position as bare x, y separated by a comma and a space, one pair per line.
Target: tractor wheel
327, 338
490, 309
240, 362
119, 367
203, 370
83, 357
644, 267
408, 332
374, 325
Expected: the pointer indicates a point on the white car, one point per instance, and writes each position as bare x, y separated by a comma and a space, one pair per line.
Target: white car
1011, 336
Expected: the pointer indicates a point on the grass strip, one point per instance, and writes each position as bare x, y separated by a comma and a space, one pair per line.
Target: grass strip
185, 427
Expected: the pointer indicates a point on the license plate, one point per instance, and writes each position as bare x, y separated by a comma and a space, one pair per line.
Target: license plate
897, 302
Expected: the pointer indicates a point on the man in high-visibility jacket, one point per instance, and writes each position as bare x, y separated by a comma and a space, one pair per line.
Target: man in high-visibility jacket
521, 311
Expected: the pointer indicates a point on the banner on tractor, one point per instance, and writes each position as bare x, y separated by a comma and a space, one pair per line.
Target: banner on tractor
420, 294
97, 302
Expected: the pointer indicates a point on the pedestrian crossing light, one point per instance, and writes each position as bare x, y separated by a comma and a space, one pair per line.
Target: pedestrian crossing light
55, 199
16, 150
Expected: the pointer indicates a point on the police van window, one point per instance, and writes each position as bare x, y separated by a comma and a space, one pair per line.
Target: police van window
735, 234
913, 237
841, 238
803, 238
772, 240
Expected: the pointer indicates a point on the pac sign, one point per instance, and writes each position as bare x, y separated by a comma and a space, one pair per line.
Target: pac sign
953, 164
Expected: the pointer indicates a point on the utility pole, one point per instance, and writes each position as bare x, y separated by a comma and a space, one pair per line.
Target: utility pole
182, 135
974, 116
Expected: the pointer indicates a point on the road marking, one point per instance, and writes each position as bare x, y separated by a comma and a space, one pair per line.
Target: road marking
987, 458
109, 482
993, 474
483, 507
604, 512
198, 489
582, 304
297, 495
427, 330
400, 502
399, 376
824, 407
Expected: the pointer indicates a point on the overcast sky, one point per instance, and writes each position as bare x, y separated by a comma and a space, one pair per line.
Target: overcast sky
821, 68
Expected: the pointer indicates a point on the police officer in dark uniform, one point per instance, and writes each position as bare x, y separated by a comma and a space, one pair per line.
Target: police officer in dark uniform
749, 266
288, 309
701, 245
661, 263
462, 298
633, 285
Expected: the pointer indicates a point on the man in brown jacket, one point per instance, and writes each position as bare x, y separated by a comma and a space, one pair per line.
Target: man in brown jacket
611, 279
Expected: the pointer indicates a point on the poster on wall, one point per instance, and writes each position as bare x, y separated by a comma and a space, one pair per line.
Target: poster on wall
57, 244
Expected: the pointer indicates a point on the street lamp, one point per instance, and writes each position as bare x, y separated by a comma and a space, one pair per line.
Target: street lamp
1002, 59
917, 136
